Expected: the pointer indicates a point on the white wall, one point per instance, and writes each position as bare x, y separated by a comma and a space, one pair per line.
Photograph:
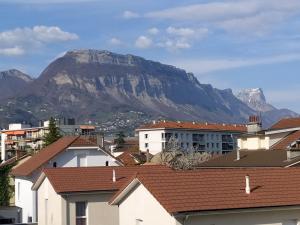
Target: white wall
93, 157
24, 197
50, 211
254, 143
289, 217
141, 205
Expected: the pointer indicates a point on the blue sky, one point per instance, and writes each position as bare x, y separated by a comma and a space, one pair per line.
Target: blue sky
230, 44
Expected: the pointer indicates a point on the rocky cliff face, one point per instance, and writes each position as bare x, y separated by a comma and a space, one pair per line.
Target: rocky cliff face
102, 86
12, 81
256, 100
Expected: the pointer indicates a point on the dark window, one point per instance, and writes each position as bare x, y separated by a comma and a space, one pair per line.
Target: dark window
106, 163
80, 213
54, 165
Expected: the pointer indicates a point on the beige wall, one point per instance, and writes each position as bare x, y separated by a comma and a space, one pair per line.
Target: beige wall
289, 217
254, 143
141, 205
53, 213
99, 212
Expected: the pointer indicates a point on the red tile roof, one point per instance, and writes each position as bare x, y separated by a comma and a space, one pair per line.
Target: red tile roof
194, 126
222, 189
43, 156
287, 141
86, 179
286, 124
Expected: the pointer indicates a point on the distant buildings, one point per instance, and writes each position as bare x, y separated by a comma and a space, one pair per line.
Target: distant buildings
203, 137
285, 134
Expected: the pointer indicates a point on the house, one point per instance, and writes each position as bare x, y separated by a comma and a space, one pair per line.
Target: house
247, 196
203, 137
282, 135
69, 151
258, 158
80, 196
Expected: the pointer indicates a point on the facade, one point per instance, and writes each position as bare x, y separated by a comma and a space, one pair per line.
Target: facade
69, 151
222, 197
282, 135
80, 196
21, 137
203, 137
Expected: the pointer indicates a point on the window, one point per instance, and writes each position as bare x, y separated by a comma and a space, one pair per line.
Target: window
19, 188
146, 145
207, 145
176, 135
106, 163
162, 136
80, 213
212, 145
146, 136
218, 145
138, 222
54, 165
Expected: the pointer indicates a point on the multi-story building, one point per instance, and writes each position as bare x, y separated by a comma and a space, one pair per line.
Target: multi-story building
21, 137
203, 137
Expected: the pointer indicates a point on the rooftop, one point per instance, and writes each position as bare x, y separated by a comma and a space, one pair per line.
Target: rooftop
220, 189
252, 158
286, 123
194, 126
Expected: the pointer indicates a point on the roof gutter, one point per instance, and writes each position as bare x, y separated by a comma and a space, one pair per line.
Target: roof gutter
125, 191
185, 215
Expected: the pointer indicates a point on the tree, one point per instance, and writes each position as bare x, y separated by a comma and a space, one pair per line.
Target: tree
120, 139
6, 190
177, 158
53, 134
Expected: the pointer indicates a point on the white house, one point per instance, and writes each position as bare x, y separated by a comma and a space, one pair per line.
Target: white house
211, 197
219, 138
80, 196
69, 151
282, 135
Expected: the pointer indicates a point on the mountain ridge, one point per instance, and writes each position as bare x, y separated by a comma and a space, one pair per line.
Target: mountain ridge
101, 87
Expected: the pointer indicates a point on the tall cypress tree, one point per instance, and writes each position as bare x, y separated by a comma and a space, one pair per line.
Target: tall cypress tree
53, 134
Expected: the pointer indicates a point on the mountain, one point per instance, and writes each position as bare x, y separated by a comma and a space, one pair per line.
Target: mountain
12, 81
101, 86
120, 92
256, 100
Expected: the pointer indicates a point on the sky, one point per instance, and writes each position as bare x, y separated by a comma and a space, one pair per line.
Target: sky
233, 44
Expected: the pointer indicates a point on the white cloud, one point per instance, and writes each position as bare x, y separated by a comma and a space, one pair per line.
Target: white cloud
203, 66
255, 16
30, 38
182, 31
174, 45
14, 51
130, 15
153, 31
115, 41
143, 42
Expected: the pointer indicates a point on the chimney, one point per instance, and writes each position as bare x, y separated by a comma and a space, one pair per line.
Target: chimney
254, 124
154, 122
100, 140
247, 188
114, 176
147, 156
238, 154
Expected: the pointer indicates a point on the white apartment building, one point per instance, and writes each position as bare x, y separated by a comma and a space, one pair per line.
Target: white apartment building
218, 138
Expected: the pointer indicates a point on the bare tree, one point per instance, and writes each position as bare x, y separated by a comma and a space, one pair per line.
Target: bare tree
178, 158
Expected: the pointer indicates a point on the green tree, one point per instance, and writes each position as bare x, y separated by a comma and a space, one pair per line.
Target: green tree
120, 139
53, 134
6, 190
